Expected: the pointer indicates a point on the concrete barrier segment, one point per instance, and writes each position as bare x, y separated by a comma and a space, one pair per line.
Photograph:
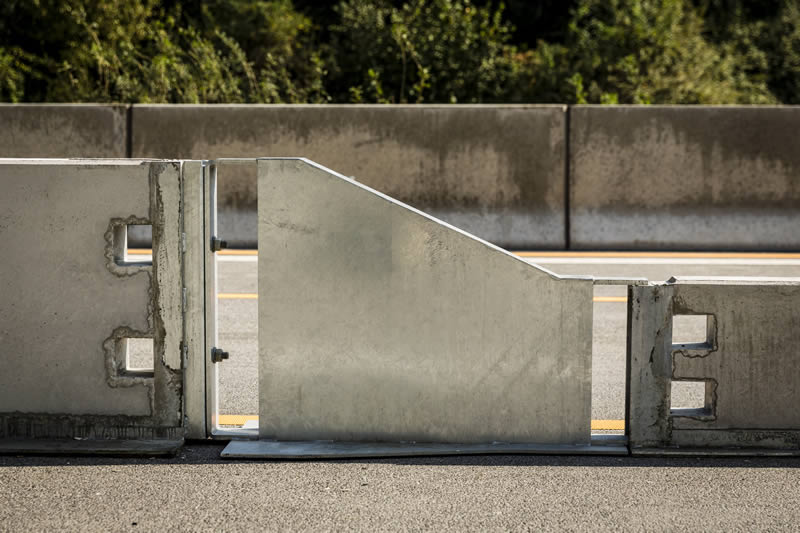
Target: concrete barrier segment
70, 301
745, 355
684, 177
64, 130
494, 171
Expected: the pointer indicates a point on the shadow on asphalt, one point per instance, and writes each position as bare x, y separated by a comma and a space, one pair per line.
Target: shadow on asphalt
207, 454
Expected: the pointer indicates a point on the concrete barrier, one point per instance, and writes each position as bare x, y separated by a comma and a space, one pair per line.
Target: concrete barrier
640, 177
73, 301
63, 130
745, 356
684, 177
495, 171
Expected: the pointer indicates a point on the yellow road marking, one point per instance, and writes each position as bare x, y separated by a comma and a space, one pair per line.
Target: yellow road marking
147, 251
577, 255
610, 299
239, 420
234, 420
601, 425
237, 296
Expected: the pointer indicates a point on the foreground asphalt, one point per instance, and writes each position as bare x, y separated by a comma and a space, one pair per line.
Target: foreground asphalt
198, 491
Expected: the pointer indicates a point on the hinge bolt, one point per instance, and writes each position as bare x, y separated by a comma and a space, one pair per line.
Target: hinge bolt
218, 355
218, 244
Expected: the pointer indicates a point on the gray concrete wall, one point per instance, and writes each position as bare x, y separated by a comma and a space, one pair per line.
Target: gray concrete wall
684, 177
63, 130
649, 177
495, 171
68, 300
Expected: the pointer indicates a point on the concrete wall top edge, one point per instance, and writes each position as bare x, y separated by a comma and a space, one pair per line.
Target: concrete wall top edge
414, 106
358, 106
82, 161
61, 104
688, 107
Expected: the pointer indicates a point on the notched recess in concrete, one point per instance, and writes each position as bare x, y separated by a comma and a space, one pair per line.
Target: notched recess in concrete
707, 413
117, 268
116, 374
694, 350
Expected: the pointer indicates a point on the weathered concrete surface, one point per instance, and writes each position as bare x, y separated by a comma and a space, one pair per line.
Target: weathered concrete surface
495, 171
379, 323
67, 302
750, 362
63, 130
684, 177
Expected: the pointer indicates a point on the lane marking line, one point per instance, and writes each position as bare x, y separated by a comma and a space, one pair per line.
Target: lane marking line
235, 420
239, 420
254, 296
608, 425
610, 299
573, 254
237, 296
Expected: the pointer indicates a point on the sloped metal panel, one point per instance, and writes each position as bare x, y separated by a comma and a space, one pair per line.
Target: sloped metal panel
380, 323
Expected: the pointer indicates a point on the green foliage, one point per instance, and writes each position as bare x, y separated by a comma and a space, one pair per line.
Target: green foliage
425, 51
640, 52
13, 70
139, 51
393, 51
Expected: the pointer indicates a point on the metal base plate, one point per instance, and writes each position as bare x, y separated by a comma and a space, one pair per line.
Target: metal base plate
89, 447
268, 449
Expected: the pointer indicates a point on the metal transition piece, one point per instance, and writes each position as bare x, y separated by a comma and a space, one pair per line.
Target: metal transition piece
387, 332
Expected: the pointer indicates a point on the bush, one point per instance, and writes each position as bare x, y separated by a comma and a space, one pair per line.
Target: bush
638, 52
139, 51
425, 51
396, 51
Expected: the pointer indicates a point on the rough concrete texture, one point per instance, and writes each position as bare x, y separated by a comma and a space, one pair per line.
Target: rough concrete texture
379, 323
684, 177
63, 130
748, 360
495, 171
67, 301
198, 491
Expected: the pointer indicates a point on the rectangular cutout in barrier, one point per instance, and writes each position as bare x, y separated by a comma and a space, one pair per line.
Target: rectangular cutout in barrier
692, 331
123, 237
138, 355
140, 236
689, 398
